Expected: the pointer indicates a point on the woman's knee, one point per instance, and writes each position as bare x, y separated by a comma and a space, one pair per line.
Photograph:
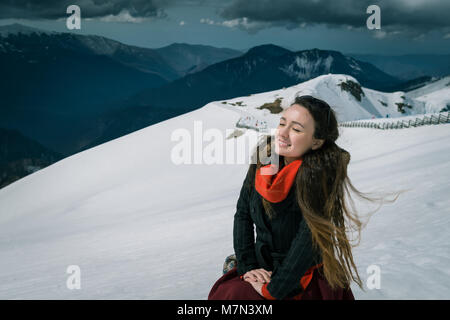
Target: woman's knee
235, 289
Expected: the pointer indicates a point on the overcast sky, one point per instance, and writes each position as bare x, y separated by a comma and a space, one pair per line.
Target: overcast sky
407, 26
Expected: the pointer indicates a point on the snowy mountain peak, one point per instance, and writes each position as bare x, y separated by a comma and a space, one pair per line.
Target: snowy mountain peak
348, 98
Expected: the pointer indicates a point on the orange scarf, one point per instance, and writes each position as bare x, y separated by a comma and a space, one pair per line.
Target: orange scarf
275, 188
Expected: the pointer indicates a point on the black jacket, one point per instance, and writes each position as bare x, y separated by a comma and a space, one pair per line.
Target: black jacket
283, 245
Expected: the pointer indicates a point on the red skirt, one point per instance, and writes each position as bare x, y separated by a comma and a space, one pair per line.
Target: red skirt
231, 287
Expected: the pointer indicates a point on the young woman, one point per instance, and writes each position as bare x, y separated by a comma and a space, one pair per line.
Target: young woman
301, 250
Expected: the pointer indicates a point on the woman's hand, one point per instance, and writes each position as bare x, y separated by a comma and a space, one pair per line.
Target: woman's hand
258, 275
257, 278
257, 286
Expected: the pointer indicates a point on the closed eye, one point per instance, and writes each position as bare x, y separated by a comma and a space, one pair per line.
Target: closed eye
282, 124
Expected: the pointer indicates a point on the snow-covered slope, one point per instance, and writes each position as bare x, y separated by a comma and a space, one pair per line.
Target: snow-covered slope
348, 107
430, 88
141, 227
435, 96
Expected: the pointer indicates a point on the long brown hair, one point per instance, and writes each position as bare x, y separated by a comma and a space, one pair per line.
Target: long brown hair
322, 188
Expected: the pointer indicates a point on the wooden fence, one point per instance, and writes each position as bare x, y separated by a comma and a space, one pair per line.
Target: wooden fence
437, 118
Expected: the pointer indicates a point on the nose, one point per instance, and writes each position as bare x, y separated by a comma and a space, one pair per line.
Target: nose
283, 132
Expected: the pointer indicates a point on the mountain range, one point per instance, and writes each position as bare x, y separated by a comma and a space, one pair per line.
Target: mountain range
409, 66
71, 92
262, 68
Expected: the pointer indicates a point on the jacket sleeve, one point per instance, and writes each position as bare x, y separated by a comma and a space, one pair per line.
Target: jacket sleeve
243, 228
297, 261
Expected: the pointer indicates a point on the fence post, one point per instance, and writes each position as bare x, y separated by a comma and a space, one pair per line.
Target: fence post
433, 119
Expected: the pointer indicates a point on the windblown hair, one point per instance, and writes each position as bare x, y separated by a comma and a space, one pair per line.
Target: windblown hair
322, 187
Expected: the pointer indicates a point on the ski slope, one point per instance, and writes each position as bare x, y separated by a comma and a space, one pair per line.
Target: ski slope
141, 227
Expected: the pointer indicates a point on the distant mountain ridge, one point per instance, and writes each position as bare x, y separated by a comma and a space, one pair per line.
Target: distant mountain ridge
262, 68
20, 156
409, 66
83, 73
16, 28
190, 58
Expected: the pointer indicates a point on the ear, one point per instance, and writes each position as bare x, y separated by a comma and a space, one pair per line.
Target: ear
317, 143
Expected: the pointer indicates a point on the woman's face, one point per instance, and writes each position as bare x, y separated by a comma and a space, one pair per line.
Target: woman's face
294, 134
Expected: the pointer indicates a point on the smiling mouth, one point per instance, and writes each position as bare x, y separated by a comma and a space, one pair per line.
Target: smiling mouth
283, 144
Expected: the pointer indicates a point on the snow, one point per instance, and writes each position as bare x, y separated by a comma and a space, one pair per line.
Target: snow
409, 239
436, 101
346, 106
141, 227
303, 68
435, 96
429, 88
353, 64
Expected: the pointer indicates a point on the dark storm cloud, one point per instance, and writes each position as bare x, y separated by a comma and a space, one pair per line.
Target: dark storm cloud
53, 9
412, 15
